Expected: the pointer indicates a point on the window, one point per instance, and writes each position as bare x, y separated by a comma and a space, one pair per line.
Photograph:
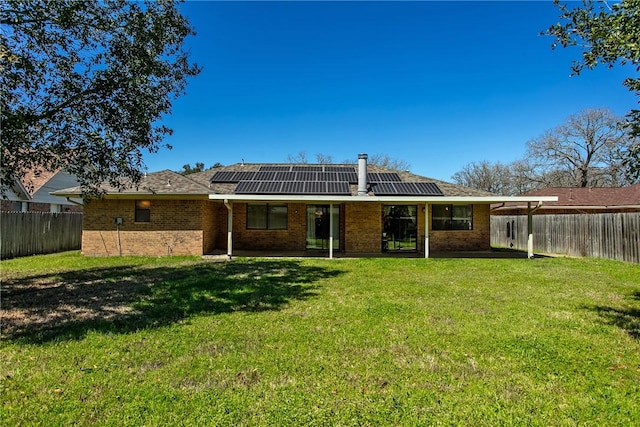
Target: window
265, 216
452, 217
143, 211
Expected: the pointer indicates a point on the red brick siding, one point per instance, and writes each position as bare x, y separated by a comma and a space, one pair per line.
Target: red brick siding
200, 226
478, 239
176, 228
291, 239
363, 227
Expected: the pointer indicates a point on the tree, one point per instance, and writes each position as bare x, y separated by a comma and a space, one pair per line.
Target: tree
585, 151
386, 161
301, 157
609, 35
188, 170
85, 83
199, 167
382, 160
509, 179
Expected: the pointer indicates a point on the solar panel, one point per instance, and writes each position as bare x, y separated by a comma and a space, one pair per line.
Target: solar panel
383, 188
275, 168
264, 176
315, 187
245, 176
306, 168
292, 187
406, 189
328, 176
223, 176
285, 176
247, 187
429, 188
306, 176
338, 188
269, 187
339, 169
350, 177
389, 177
383, 177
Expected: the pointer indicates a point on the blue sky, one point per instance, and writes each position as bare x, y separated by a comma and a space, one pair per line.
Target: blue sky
437, 84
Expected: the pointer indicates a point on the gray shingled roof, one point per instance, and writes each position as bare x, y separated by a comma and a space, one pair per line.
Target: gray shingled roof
171, 183
165, 182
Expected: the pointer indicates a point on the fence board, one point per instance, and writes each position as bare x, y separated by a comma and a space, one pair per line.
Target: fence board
31, 233
606, 235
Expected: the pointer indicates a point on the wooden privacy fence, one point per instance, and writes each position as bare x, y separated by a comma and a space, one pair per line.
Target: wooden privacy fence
605, 235
30, 233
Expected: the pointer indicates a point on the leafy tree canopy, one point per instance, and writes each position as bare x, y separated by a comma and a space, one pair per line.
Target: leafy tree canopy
199, 167
608, 34
85, 83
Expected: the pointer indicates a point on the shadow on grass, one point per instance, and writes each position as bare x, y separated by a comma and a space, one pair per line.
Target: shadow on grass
124, 299
627, 319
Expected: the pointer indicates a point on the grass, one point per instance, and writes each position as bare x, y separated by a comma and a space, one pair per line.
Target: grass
163, 341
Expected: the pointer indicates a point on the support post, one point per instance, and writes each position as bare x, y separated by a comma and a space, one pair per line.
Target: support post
426, 230
229, 229
330, 230
529, 230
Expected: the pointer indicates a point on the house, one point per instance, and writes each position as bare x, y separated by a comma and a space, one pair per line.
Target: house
33, 193
324, 209
573, 200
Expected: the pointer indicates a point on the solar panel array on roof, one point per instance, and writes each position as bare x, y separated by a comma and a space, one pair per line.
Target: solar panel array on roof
268, 175
292, 187
406, 189
320, 180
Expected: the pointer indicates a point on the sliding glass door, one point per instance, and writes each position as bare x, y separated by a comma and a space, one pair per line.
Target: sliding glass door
318, 226
399, 227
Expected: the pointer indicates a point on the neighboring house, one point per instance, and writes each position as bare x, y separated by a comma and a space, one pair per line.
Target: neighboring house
289, 208
32, 193
579, 200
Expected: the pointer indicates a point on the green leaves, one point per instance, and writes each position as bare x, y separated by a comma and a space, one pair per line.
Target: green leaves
608, 35
85, 85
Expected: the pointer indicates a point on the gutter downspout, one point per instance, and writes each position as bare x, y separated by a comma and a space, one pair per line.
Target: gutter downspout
229, 228
73, 201
530, 212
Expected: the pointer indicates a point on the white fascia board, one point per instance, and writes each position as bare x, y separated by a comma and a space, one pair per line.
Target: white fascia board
387, 199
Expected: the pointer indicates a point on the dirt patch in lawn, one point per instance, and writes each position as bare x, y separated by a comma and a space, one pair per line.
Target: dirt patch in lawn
129, 298
37, 304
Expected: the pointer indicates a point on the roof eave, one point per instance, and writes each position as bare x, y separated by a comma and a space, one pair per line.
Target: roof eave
364, 199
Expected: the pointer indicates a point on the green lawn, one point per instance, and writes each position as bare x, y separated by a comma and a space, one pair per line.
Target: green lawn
182, 341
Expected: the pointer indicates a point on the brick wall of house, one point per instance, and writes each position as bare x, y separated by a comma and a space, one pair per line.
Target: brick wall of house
195, 227
363, 227
10, 206
478, 239
176, 228
211, 225
292, 239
